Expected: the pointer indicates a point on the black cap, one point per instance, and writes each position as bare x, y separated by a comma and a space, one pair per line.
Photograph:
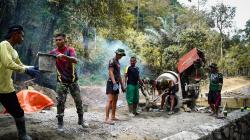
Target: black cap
15, 28
12, 29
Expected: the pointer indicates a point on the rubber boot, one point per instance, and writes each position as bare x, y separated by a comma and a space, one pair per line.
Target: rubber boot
21, 129
81, 122
60, 123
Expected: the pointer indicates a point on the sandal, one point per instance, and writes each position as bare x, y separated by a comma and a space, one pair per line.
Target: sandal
171, 112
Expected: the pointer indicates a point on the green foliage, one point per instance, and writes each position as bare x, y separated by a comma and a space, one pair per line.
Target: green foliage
171, 56
223, 16
135, 40
237, 58
151, 56
247, 32
192, 38
160, 32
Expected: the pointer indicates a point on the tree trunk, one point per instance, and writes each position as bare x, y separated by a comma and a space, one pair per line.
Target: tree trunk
221, 46
85, 35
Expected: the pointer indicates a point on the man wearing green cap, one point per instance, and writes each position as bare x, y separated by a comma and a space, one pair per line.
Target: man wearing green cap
215, 86
112, 88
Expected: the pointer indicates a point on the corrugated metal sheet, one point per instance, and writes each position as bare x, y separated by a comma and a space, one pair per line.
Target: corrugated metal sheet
188, 59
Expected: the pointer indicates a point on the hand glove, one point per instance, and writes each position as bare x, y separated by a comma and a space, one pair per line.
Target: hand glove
115, 87
36, 67
32, 72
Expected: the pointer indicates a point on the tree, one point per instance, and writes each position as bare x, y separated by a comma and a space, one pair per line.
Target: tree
247, 32
222, 16
162, 37
193, 39
88, 16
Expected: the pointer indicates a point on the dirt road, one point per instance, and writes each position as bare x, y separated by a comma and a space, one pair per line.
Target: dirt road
148, 125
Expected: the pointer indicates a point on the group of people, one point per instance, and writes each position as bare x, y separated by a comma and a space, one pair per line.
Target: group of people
131, 85
67, 82
66, 78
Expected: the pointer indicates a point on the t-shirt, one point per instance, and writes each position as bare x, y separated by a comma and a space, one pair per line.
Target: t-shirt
113, 63
133, 75
216, 81
66, 71
9, 62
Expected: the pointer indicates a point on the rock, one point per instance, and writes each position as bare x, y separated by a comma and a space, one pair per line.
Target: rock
114, 134
184, 135
231, 133
244, 128
217, 135
236, 136
226, 132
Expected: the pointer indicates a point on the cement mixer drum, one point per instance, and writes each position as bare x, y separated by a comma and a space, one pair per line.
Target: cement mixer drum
171, 75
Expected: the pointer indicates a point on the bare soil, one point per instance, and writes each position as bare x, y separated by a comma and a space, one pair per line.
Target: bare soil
152, 125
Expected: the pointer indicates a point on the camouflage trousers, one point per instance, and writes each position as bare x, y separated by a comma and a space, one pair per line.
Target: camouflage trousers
62, 90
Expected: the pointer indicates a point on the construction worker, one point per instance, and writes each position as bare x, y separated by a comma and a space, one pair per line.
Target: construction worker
66, 80
9, 62
170, 88
132, 79
215, 86
112, 87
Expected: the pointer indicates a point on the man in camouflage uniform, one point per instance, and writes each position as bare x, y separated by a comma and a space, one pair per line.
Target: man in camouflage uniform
215, 86
67, 80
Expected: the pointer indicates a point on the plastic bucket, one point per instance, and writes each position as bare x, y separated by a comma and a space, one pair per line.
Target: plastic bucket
47, 62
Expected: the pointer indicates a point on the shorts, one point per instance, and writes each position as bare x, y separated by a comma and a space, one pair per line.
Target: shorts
109, 88
214, 97
132, 94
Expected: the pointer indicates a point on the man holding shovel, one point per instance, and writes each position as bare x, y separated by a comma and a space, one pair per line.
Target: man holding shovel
9, 62
167, 87
67, 80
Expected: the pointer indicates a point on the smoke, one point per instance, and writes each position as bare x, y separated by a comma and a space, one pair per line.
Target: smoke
106, 49
111, 46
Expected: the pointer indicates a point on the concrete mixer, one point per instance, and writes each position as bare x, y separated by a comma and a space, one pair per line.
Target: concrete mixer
187, 78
